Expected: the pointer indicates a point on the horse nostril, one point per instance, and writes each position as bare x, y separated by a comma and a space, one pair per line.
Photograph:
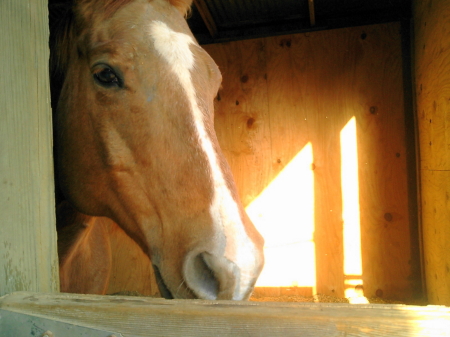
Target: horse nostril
200, 278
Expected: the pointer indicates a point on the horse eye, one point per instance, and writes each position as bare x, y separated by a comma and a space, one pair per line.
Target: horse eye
106, 77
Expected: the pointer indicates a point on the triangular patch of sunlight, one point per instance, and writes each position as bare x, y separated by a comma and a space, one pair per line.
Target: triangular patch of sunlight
284, 215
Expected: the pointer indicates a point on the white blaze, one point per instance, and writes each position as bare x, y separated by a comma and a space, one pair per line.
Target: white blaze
174, 47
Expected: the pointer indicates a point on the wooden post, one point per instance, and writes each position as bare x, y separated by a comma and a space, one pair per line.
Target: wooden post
432, 85
28, 255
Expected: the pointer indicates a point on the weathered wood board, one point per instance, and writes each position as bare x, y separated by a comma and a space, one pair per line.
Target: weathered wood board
432, 86
28, 255
158, 317
284, 109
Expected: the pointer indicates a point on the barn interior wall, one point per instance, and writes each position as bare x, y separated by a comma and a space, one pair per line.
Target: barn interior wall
432, 86
285, 100
313, 126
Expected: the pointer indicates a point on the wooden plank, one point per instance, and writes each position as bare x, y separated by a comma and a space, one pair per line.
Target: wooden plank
304, 89
206, 16
436, 234
312, 14
241, 116
28, 234
246, 130
383, 170
158, 317
432, 72
293, 114
432, 78
18, 324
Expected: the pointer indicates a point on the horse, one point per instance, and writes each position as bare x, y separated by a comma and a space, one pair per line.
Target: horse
135, 148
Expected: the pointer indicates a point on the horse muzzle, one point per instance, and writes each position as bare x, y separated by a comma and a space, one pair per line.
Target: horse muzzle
211, 277
216, 277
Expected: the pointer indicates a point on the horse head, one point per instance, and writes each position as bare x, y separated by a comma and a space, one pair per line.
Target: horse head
136, 143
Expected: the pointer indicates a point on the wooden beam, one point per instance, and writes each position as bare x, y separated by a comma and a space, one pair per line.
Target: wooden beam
206, 16
139, 316
432, 75
312, 13
28, 258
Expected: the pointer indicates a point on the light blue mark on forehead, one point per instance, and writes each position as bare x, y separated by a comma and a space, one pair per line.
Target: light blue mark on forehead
151, 94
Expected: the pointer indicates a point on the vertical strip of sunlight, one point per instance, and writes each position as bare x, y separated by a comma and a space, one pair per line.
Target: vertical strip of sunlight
284, 215
350, 209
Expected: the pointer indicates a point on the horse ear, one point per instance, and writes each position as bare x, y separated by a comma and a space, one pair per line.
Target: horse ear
182, 5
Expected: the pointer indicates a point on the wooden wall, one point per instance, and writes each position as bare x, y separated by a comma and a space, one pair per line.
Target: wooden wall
283, 106
28, 258
432, 85
283, 98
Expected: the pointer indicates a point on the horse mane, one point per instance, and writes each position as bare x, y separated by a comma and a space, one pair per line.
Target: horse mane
65, 26
183, 6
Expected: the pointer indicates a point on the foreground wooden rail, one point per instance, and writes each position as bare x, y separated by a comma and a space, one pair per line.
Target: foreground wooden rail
137, 316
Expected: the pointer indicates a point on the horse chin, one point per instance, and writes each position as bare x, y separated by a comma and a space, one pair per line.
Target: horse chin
163, 289
207, 276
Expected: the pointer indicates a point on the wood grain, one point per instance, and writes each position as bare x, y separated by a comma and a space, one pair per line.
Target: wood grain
432, 67
301, 91
241, 116
159, 317
28, 258
432, 86
436, 234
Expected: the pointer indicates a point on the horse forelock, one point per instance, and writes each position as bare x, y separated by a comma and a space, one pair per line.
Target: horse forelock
69, 19
182, 5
